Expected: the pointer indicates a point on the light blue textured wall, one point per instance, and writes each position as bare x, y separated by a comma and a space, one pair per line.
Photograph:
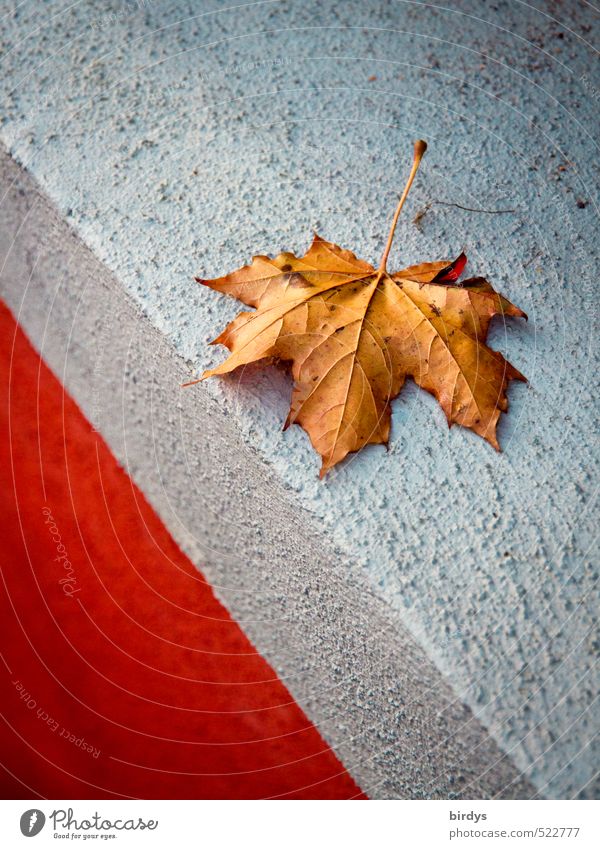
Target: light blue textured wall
180, 138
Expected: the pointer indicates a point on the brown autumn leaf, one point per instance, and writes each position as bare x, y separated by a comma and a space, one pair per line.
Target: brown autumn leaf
354, 333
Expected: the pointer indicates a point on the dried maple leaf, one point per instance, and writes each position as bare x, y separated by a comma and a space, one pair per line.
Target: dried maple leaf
354, 333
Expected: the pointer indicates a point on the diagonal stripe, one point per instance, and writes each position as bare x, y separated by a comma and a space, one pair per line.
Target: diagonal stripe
131, 655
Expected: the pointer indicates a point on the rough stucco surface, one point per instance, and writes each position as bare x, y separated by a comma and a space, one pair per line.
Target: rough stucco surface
179, 138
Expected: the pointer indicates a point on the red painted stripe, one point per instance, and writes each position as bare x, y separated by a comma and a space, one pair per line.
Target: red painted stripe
131, 654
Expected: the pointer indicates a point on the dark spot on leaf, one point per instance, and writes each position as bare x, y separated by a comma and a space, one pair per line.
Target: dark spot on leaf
300, 282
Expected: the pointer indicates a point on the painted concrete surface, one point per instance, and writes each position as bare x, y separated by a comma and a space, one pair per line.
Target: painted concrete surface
181, 138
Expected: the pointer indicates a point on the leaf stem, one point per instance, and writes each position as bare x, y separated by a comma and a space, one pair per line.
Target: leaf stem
420, 148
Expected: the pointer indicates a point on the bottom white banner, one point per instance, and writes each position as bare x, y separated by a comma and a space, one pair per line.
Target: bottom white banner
560, 824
